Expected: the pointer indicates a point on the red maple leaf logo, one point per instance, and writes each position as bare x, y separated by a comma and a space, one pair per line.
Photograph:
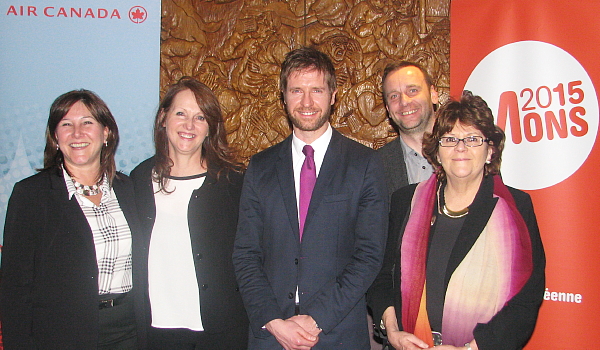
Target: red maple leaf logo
138, 14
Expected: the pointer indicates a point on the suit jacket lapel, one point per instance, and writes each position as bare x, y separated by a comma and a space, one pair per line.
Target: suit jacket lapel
125, 197
285, 174
68, 213
285, 171
144, 196
331, 163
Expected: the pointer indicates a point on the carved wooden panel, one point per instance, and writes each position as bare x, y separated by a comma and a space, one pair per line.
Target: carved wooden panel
236, 47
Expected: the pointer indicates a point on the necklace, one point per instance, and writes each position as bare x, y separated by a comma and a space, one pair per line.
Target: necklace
449, 213
455, 214
85, 190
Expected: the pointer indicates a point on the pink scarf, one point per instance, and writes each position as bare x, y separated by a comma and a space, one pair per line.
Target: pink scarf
474, 295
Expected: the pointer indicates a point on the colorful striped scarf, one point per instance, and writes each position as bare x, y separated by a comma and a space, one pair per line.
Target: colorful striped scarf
474, 294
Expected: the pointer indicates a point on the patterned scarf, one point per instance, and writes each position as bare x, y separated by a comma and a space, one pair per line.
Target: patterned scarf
474, 295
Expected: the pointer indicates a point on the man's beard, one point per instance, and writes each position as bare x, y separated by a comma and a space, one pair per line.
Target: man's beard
310, 125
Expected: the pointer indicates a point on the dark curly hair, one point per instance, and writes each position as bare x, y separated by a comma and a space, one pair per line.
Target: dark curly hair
470, 110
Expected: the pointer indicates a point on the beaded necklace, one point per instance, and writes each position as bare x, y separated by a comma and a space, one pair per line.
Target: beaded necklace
86, 190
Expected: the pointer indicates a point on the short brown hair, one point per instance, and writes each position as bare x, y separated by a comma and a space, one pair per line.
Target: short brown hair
472, 111
307, 58
394, 66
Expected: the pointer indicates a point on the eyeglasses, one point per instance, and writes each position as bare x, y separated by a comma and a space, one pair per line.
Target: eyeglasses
470, 141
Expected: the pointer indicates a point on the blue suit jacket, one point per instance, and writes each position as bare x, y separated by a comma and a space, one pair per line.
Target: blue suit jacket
342, 245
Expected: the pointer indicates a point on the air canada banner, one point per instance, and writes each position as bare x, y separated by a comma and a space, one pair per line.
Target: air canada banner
533, 62
52, 11
49, 47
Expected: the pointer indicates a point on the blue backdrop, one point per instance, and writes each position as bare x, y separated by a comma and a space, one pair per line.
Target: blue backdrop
51, 47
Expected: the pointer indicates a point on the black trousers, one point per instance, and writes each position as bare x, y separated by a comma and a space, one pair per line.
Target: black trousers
235, 338
117, 327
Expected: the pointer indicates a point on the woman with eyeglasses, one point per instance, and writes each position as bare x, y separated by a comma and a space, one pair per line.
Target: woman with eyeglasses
464, 263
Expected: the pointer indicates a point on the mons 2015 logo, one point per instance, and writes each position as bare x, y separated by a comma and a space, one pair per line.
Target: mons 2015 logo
136, 14
546, 103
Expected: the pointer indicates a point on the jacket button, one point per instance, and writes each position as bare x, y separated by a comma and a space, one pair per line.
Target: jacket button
204, 286
199, 256
296, 261
291, 295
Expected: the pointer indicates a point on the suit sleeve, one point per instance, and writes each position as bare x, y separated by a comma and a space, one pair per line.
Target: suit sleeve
335, 299
18, 270
383, 292
513, 325
259, 299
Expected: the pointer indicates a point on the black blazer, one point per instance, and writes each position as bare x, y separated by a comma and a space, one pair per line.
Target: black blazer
212, 220
341, 250
49, 289
512, 326
396, 174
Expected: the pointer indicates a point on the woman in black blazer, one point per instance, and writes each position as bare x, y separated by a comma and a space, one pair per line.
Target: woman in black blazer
464, 262
67, 258
188, 198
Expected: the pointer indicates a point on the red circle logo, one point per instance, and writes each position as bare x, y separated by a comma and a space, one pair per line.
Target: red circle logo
138, 14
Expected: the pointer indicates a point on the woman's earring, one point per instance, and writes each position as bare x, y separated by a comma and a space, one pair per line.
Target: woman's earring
487, 162
105, 143
57, 147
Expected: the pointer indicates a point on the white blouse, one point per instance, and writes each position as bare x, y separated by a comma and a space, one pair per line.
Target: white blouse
172, 282
112, 238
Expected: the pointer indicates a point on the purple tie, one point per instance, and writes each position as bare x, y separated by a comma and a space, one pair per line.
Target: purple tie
308, 177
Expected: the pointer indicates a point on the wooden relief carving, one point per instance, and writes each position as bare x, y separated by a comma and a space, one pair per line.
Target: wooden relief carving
236, 47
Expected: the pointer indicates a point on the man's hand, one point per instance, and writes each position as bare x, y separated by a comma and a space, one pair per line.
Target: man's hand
307, 322
290, 335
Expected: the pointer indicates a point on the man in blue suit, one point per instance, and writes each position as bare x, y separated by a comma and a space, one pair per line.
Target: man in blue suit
303, 273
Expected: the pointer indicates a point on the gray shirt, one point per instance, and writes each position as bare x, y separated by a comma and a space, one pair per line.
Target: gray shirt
397, 161
417, 166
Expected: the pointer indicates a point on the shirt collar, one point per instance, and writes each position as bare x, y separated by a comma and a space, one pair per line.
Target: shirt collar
319, 145
104, 187
407, 149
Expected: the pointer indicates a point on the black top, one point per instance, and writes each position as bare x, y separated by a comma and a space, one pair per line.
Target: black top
442, 240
